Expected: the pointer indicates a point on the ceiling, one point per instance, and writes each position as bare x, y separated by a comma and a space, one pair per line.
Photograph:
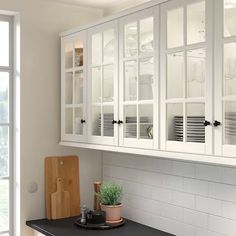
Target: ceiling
104, 4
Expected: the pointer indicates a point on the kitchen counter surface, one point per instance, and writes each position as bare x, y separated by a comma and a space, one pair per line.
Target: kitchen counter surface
65, 227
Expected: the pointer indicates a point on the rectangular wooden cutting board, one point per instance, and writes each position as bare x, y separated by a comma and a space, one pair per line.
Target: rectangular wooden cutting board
67, 169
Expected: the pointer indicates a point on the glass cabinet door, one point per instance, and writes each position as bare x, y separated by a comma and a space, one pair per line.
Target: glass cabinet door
138, 75
103, 84
73, 88
187, 76
225, 117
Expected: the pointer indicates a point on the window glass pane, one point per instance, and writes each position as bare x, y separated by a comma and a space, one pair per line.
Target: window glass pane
97, 49
108, 46
4, 43
175, 28
79, 53
130, 80
108, 83
131, 42
96, 84
69, 121
146, 35
79, 87
175, 122
108, 117
196, 30
230, 69
230, 123
96, 121
69, 55
4, 97
130, 121
195, 119
196, 72
4, 151
146, 121
78, 123
69, 88
175, 75
4, 205
230, 17
146, 79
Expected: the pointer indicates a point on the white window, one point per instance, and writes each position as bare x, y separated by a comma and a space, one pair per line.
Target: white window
6, 125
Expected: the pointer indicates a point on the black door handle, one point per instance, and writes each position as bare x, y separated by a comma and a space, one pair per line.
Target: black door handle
120, 122
216, 123
206, 123
114, 122
82, 121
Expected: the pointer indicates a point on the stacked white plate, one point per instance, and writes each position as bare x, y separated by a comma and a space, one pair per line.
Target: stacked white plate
230, 123
195, 129
108, 127
131, 126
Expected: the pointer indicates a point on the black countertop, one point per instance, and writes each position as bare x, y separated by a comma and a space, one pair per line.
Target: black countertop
66, 227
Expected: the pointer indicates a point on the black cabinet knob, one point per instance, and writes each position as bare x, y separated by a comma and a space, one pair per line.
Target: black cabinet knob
114, 122
216, 123
206, 123
120, 122
82, 121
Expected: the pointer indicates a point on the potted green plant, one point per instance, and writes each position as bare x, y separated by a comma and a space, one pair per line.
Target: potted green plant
110, 198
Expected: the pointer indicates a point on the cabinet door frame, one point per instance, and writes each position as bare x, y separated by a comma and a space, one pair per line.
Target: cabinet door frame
103, 140
167, 145
73, 137
135, 142
221, 149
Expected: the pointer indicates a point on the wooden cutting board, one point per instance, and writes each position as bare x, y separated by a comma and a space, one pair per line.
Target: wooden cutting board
66, 168
60, 202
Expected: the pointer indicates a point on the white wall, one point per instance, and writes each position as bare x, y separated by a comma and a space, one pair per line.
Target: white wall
185, 199
41, 21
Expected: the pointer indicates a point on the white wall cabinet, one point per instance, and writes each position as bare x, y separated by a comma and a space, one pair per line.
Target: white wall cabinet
159, 80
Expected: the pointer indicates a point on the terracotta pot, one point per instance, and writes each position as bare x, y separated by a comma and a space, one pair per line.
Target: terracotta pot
112, 212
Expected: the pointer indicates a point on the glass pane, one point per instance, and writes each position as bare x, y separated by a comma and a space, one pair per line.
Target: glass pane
96, 121
69, 55
79, 87
97, 49
79, 53
230, 123
108, 83
69, 88
196, 72
146, 121
108, 117
69, 121
108, 46
4, 43
131, 121
230, 17
78, 117
130, 80
175, 75
96, 84
146, 35
146, 79
175, 122
175, 28
4, 97
131, 42
195, 119
4, 151
230, 69
4, 205
196, 29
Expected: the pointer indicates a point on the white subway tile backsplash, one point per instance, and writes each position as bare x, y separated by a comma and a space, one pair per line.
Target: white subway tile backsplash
222, 191
185, 199
229, 210
208, 205
195, 218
